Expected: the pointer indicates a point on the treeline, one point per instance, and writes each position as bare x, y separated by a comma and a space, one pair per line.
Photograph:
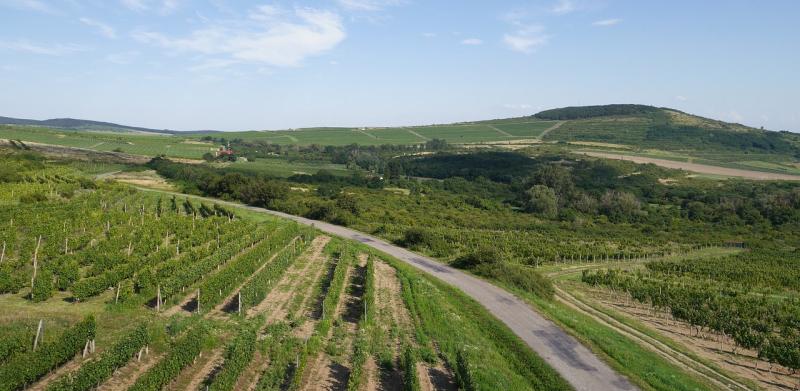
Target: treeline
577, 112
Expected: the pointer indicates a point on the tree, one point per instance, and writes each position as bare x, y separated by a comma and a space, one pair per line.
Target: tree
208, 156
263, 193
541, 200
619, 205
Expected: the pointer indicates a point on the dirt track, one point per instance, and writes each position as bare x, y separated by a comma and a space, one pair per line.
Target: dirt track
573, 361
698, 168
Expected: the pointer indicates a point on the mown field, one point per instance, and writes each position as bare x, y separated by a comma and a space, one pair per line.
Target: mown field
145, 292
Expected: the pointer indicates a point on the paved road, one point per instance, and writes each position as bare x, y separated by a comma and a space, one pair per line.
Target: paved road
699, 168
579, 366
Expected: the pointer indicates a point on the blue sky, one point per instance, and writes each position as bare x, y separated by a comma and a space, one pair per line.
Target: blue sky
235, 65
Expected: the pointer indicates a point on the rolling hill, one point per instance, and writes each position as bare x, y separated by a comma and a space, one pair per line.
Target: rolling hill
83, 124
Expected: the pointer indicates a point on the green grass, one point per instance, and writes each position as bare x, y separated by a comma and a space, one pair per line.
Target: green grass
137, 144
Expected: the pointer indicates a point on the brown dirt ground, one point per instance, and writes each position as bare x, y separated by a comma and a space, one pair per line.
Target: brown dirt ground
70, 366
126, 376
193, 376
276, 300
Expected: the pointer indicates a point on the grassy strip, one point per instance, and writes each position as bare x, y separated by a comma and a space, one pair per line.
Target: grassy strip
638, 326
644, 367
495, 356
91, 374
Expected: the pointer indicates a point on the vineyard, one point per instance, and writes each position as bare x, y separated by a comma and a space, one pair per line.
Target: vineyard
106, 287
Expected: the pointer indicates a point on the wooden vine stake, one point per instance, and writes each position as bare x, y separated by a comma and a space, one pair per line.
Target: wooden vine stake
3, 253
198, 300
35, 262
116, 298
39, 330
158, 299
240, 302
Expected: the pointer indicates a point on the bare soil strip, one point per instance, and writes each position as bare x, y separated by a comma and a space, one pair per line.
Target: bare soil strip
324, 374
676, 357
501, 131
276, 301
417, 134
717, 349
126, 376
70, 366
550, 129
699, 168
187, 301
218, 310
192, 377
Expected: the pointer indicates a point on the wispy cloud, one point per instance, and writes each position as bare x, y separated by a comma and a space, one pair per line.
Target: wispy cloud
101, 27
429, 35
680, 98
33, 5
472, 41
564, 7
284, 39
368, 5
607, 22
518, 106
57, 49
526, 39
163, 7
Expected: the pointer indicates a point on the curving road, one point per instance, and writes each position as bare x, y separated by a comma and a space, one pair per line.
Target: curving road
573, 361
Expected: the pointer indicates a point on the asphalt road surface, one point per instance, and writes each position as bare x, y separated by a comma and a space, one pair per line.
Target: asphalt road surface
573, 361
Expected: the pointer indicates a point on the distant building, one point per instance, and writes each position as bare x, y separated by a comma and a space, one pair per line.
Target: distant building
224, 150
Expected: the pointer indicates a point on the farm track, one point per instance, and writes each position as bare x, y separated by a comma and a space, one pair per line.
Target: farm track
414, 133
501, 131
696, 167
678, 358
550, 129
574, 362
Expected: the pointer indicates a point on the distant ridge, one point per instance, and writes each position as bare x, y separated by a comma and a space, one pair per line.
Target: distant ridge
83, 124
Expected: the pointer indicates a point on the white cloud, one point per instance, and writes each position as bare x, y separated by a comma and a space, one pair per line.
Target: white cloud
518, 106
429, 35
563, 7
101, 27
472, 41
33, 5
135, 5
163, 7
681, 98
368, 5
284, 41
526, 39
607, 22
57, 49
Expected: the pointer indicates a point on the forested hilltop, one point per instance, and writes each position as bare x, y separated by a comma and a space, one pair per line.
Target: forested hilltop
666, 129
